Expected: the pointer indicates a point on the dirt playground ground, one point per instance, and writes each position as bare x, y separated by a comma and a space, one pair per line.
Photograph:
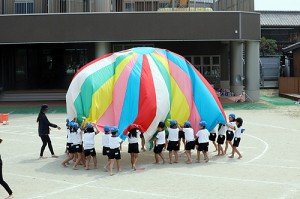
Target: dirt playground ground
269, 169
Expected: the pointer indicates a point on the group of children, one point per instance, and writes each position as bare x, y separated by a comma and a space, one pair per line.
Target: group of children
169, 138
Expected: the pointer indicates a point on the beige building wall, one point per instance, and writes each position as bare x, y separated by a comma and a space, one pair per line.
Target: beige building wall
234, 5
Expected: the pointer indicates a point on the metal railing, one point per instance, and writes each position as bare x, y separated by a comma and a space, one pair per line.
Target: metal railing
81, 6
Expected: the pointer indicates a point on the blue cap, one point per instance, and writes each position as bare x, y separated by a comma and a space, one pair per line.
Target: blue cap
71, 124
202, 123
106, 128
114, 129
67, 120
173, 122
89, 126
74, 125
232, 115
187, 124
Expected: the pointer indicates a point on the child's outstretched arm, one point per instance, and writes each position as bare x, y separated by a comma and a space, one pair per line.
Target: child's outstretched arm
230, 126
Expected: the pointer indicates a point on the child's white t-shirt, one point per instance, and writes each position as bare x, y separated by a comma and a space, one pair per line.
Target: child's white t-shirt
114, 142
222, 130
132, 140
188, 134
203, 136
230, 129
77, 137
105, 139
161, 138
173, 134
69, 136
89, 140
238, 132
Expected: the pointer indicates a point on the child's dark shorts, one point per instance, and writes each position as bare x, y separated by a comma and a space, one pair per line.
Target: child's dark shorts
221, 139
78, 148
190, 145
181, 135
133, 148
114, 154
70, 148
173, 146
229, 135
236, 142
158, 148
203, 146
105, 150
212, 137
88, 152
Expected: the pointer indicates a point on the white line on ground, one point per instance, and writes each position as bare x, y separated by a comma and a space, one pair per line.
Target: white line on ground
264, 151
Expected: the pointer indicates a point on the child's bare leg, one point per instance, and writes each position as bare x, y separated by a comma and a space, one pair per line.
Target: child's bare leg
95, 162
87, 162
111, 165
232, 153
198, 156
156, 158
188, 154
237, 151
135, 161
226, 146
119, 165
70, 157
132, 159
183, 141
83, 159
162, 157
170, 157
215, 146
206, 156
176, 156
105, 167
219, 149
77, 161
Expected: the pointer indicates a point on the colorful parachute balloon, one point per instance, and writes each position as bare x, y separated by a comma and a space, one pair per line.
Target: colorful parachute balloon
142, 86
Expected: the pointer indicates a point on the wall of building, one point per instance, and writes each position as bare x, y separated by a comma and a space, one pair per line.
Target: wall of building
296, 62
234, 5
115, 27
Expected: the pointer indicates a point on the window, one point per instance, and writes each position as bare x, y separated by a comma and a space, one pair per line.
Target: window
24, 6
209, 65
129, 7
62, 6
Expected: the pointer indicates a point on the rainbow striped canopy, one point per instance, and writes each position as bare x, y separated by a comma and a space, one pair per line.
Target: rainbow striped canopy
142, 86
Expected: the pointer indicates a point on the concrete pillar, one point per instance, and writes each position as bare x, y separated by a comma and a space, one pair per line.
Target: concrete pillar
236, 67
252, 71
102, 48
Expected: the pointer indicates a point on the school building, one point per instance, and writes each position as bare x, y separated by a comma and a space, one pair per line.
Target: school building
44, 42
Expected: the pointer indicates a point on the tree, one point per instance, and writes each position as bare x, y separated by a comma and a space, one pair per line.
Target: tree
268, 46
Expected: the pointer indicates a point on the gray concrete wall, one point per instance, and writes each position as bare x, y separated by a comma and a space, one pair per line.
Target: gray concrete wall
84, 27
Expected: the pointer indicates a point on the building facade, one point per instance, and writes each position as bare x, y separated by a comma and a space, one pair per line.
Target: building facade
43, 43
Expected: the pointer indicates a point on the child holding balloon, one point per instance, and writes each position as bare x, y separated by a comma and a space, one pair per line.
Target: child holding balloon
133, 146
114, 149
203, 140
89, 145
237, 137
173, 141
231, 126
189, 140
105, 143
159, 142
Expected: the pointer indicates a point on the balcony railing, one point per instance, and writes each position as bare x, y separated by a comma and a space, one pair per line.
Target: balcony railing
81, 6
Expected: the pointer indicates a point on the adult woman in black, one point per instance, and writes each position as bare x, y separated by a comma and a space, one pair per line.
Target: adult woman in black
3, 183
44, 130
